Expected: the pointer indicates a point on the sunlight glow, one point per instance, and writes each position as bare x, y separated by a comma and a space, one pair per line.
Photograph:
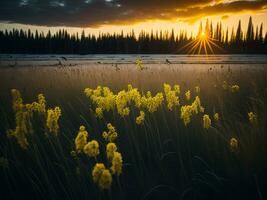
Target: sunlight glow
203, 43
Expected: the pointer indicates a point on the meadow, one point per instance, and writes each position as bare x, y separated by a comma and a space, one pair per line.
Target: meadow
134, 131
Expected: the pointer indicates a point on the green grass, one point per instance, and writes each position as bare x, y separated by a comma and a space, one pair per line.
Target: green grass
162, 159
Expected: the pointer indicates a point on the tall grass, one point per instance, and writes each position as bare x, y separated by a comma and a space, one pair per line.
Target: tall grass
163, 158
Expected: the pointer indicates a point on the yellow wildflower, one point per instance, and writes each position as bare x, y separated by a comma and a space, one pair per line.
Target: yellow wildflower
186, 113
234, 88
152, 103
197, 89
116, 167
105, 180
88, 92
110, 150
252, 117
52, 120
41, 103
225, 85
206, 121
188, 95
177, 88
99, 112
141, 118
216, 117
196, 105
91, 149
81, 139
233, 144
22, 117
97, 171
139, 64
101, 176
171, 98
111, 135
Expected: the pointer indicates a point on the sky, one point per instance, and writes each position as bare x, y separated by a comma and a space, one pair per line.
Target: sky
94, 16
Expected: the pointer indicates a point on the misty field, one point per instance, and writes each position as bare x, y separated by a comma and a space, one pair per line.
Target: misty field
134, 131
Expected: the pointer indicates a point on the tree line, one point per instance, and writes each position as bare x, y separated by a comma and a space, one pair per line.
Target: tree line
238, 41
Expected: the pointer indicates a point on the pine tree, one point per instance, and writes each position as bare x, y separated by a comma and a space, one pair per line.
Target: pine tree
260, 33
238, 37
250, 31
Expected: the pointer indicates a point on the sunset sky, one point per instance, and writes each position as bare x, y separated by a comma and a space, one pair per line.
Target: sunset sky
96, 16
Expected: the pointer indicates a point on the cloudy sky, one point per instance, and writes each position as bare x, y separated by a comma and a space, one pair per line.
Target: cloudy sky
115, 15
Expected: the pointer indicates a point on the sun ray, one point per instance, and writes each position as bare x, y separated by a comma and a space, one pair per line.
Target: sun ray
203, 43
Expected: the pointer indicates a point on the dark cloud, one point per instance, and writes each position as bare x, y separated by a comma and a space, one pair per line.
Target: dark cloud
85, 13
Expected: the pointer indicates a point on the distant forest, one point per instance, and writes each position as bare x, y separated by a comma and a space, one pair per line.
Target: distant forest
236, 41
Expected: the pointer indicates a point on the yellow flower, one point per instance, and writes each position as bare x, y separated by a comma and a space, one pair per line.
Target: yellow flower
252, 117
216, 117
177, 88
81, 139
196, 105
97, 171
152, 103
91, 149
88, 92
99, 112
105, 180
225, 85
234, 88
171, 98
188, 95
116, 167
41, 103
233, 144
197, 89
186, 113
206, 121
22, 117
141, 118
139, 64
102, 176
111, 135
110, 150
52, 120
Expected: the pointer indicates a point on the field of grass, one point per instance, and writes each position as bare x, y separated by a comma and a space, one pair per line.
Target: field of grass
181, 147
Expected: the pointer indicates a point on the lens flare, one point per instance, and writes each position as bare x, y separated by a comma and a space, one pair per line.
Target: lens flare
203, 43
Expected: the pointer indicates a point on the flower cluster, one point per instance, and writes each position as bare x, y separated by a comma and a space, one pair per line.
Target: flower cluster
141, 118
116, 167
91, 149
171, 95
111, 148
216, 117
152, 103
231, 88
111, 134
106, 100
81, 139
102, 176
206, 121
52, 120
252, 117
197, 89
188, 95
24, 114
188, 110
233, 144
139, 64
